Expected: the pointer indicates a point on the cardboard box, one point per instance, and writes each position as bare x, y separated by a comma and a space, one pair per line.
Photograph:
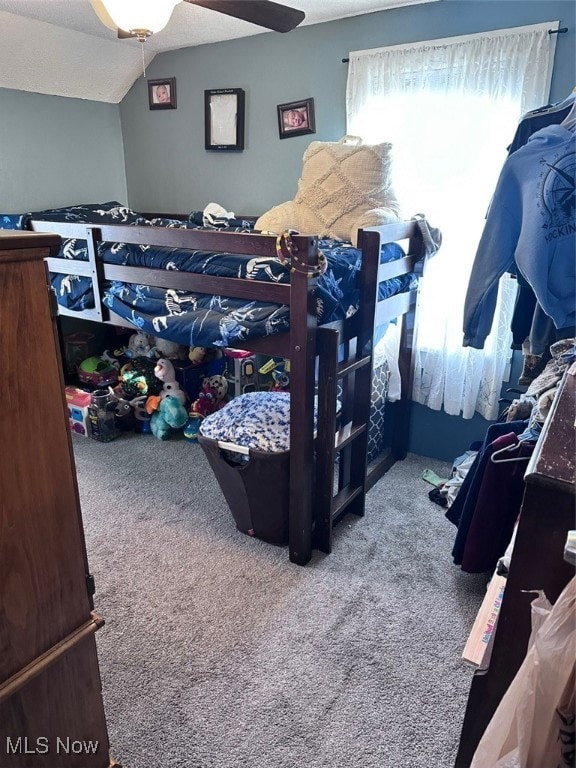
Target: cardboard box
478, 647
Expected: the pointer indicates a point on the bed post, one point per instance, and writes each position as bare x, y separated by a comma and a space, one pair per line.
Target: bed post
406, 361
302, 364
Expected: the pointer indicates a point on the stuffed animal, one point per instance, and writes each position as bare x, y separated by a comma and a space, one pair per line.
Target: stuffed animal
169, 349
170, 416
211, 398
139, 345
137, 378
164, 370
219, 385
125, 414
196, 355
192, 426
141, 415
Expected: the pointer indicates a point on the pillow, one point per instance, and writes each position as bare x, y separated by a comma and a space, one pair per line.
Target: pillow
279, 219
344, 185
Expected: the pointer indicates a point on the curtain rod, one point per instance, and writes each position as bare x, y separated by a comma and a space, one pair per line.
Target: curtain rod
550, 32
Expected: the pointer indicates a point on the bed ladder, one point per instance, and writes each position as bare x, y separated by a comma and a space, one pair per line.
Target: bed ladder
345, 434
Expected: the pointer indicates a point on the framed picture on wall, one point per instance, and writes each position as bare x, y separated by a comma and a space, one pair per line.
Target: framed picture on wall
224, 119
296, 118
162, 93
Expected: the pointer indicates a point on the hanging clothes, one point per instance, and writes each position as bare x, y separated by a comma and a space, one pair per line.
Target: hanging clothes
551, 114
532, 330
497, 506
531, 226
536, 346
461, 512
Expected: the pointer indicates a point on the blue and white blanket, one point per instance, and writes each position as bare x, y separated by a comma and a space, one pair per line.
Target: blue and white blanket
257, 420
198, 319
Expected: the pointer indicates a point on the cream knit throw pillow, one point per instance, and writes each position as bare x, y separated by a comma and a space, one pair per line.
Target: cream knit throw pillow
344, 185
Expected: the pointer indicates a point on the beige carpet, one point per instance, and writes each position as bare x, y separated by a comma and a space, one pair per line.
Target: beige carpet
218, 652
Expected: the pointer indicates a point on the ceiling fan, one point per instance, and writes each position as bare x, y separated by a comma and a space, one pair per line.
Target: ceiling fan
142, 18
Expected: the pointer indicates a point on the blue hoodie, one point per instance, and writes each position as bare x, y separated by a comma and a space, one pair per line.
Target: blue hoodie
531, 227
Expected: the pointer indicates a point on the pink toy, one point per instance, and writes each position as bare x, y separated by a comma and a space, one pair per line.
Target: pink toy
78, 401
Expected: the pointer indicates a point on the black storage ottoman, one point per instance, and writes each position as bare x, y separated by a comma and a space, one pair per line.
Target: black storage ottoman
256, 490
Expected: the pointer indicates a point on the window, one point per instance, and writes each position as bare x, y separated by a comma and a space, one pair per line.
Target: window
450, 108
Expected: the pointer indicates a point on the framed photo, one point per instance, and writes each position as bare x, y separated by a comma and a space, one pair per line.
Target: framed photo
224, 119
296, 118
162, 93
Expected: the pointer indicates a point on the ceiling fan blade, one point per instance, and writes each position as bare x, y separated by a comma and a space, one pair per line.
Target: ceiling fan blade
103, 14
122, 34
279, 18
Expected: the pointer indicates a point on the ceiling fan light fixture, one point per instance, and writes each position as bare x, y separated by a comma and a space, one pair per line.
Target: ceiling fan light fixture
140, 17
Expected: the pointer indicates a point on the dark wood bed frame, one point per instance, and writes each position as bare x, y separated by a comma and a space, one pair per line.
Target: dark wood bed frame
334, 353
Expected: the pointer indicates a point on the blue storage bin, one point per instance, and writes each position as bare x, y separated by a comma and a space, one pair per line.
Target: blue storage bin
190, 376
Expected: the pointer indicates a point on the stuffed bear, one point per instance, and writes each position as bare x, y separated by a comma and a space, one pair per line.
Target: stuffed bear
139, 345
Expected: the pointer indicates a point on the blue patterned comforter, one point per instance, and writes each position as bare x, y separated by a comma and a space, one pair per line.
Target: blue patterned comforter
197, 319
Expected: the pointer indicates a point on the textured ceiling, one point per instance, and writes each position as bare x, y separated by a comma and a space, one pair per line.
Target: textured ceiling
60, 47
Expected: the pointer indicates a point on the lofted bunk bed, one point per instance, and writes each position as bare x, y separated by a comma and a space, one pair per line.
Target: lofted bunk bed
276, 295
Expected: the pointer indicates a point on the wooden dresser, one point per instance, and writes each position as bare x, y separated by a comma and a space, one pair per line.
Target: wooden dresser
546, 516
51, 709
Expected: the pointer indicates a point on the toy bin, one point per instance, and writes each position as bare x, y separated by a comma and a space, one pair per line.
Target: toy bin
256, 489
190, 376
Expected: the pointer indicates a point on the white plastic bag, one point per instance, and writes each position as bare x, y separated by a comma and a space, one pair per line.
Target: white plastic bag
525, 731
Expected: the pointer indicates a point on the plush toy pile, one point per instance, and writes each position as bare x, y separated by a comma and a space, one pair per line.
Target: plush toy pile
147, 394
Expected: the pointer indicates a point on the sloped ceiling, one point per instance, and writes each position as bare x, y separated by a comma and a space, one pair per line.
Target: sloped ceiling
61, 48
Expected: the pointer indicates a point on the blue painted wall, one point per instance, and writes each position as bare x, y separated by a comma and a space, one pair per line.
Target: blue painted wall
56, 151
167, 166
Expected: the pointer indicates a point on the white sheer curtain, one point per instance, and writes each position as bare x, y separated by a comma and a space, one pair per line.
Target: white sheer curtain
450, 107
